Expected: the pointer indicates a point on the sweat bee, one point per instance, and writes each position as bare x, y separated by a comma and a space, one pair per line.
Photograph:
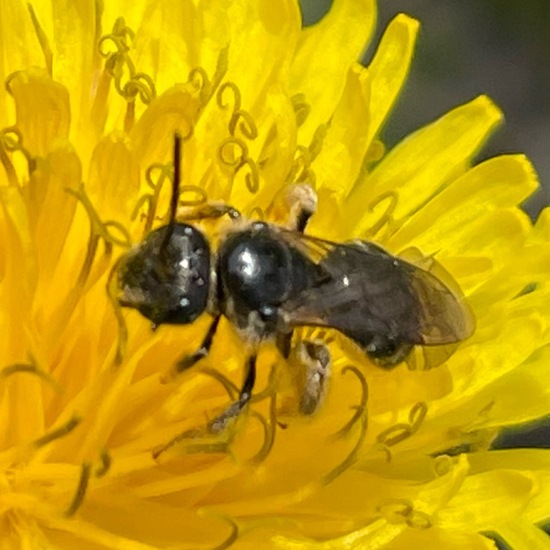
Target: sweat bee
269, 280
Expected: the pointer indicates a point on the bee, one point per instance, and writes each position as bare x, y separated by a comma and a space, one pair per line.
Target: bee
269, 280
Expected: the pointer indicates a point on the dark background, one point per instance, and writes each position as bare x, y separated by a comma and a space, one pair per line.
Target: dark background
465, 48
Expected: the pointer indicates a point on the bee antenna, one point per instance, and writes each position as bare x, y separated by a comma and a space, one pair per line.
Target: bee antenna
177, 177
175, 195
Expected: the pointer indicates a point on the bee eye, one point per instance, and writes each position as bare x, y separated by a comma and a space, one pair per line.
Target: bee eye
166, 278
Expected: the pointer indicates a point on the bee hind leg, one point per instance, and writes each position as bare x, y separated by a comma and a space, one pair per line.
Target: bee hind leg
315, 362
312, 361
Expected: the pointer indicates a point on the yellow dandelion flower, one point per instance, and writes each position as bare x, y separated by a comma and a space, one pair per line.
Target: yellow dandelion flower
101, 446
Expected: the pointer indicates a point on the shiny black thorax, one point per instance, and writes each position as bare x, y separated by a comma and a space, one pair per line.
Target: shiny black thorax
257, 272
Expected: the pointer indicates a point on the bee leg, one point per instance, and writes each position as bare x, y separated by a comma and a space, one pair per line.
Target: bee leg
207, 210
302, 202
387, 353
188, 361
283, 342
313, 358
220, 422
294, 203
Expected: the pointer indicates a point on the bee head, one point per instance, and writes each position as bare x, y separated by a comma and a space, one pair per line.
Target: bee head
166, 277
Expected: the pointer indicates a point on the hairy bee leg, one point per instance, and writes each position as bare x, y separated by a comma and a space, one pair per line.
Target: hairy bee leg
302, 201
314, 361
189, 360
314, 364
220, 422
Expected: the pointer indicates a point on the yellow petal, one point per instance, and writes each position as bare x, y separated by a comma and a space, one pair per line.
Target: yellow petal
520, 396
389, 68
521, 535
344, 33
422, 164
113, 181
344, 147
75, 34
486, 500
104, 443
152, 136
499, 182
59, 172
42, 107
18, 41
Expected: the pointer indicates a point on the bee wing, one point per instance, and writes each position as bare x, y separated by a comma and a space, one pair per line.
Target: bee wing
369, 293
444, 314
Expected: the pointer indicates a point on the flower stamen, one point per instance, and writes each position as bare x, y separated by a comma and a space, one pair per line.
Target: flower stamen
316, 145
8, 166
207, 445
198, 78
112, 292
398, 511
155, 176
269, 427
233, 154
78, 499
58, 433
30, 368
98, 231
236, 96
351, 458
401, 431
257, 213
231, 388
270, 389
243, 120
11, 141
233, 535
387, 216
300, 170
252, 178
417, 415
269, 431
200, 196
119, 66
301, 108
105, 465
247, 125
481, 418
361, 409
